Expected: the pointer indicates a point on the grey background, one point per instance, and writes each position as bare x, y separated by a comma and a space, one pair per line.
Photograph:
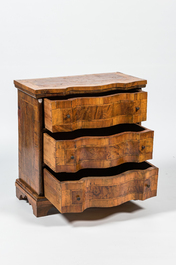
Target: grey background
57, 38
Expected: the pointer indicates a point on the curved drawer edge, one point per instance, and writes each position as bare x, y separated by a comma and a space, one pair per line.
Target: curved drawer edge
97, 151
76, 196
94, 112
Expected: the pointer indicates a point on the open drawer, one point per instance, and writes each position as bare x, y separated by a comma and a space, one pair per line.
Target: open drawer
94, 110
97, 148
74, 192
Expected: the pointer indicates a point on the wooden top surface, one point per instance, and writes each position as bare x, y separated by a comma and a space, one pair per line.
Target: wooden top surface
93, 83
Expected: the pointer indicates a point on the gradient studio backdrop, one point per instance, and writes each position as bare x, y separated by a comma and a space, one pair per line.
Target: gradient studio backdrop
67, 37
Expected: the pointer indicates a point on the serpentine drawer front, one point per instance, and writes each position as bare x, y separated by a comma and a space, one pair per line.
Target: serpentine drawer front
128, 143
81, 143
70, 192
95, 112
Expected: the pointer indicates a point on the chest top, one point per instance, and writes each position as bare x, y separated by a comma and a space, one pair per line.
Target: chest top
80, 84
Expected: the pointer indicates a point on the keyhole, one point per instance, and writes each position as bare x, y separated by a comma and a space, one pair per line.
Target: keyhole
147, 185
77, 197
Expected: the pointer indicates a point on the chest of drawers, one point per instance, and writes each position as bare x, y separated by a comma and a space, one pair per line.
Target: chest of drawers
81, 143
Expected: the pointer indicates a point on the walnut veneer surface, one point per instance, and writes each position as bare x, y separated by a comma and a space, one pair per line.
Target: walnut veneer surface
96, 111
97, 152
43, 87
81, 144
96, 191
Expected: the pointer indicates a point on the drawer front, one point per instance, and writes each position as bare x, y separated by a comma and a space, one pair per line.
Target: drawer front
97, 152
76, 196
95, 112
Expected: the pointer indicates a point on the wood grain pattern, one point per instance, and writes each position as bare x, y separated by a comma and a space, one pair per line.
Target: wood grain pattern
95, 112
40, 204
44, 87
98, 151
30, 141
77, 195
91, 146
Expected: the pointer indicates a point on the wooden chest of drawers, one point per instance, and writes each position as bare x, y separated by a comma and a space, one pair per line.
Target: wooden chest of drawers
81, 143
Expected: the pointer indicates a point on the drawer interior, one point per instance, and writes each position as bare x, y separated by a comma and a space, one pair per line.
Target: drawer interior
99, 172
97, 131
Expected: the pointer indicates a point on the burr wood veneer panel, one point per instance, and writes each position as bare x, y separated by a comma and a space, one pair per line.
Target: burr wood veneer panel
137, 182
95, 112
134, 145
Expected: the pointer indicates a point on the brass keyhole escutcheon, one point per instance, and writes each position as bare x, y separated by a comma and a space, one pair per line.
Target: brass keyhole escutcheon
78, 198
147, 185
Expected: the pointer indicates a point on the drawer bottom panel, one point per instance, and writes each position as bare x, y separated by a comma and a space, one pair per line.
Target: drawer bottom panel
74, 192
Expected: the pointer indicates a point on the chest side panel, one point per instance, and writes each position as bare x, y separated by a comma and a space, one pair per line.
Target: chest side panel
30, 141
